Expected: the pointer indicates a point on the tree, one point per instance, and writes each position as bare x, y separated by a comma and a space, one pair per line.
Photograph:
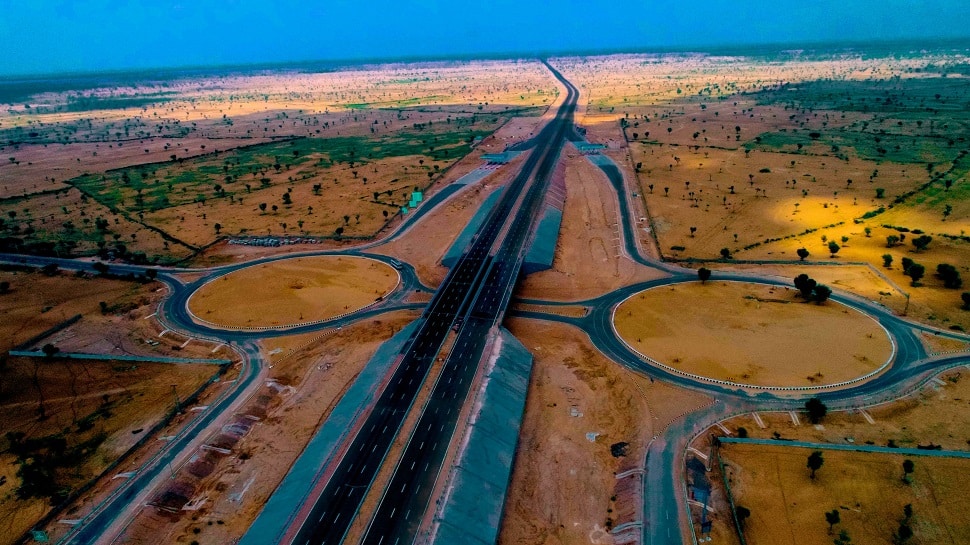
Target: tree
4, 287
832, 517
887, 260
692, 231
950, 276
742, 513
815, 462
965, 296
891, 241
921, 242
49, 350
908, 467
880, 192
50, 269
822, 293
339, 231
262, 207
903, 534
907, 263
218, 227
802, 253
915, 272
100, 268
816, 410
805, 285
725, 253
833, 248
843, 539
947, 210
151, 274
703, 274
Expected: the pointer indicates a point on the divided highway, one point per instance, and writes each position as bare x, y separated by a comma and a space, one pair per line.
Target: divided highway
473, 298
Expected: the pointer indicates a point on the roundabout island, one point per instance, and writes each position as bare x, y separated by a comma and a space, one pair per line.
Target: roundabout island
292, 292
752, 335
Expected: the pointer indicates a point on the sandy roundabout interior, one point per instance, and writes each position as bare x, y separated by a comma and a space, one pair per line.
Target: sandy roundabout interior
293, 291
752, 334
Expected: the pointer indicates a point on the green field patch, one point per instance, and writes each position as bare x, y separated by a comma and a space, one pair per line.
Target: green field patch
153, 187
86, 103
413, 101
926, 95
842, 143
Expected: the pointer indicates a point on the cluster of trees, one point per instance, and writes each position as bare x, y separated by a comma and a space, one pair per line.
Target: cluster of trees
949, 275
913, 270
905, 531
41, 463
812, 290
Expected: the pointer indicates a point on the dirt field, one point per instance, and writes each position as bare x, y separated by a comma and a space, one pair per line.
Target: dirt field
589, 260
935, 415
318, 367
293, 291
324, 154
99, 409
867, 489
761, 157
563, 481
749, 333
36, 302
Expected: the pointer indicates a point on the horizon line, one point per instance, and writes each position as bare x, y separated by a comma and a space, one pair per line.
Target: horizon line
751, 49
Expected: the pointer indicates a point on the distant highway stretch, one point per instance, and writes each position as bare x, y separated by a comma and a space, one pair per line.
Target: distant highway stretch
477, 291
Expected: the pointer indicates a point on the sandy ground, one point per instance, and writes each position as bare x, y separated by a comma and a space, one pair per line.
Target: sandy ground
319, 367
121, 401
867, 489
690, 118
293, 291
751, 334
563, 481
934, 415
37, 302
589, 259
185, 137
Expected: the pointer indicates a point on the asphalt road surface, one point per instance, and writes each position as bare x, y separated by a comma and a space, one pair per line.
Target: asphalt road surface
477, 289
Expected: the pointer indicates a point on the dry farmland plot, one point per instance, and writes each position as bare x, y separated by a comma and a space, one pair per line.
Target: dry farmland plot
34, 302
169, 160
866, 488
760, 159
93, 412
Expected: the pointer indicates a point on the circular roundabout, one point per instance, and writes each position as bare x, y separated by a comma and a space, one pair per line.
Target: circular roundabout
292, 292
752, 335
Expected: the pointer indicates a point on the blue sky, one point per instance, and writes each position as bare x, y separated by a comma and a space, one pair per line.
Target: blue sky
45, 36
